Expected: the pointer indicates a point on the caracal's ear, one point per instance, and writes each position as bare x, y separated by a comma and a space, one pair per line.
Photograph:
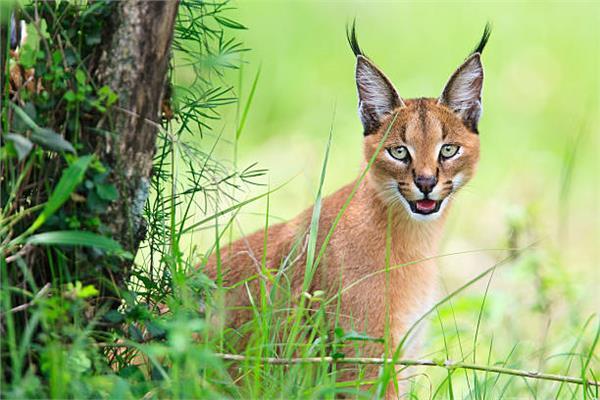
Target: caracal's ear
377, 96
462, 93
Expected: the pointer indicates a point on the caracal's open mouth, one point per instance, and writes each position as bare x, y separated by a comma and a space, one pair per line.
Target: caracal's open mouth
425, 206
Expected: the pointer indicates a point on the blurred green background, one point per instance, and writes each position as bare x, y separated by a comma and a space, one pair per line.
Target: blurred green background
540, 107
538, 174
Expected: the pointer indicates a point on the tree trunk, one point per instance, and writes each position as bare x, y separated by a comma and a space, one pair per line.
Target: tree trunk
133, 63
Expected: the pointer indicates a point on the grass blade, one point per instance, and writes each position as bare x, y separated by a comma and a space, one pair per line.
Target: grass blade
240, 128
70, 179
75, 238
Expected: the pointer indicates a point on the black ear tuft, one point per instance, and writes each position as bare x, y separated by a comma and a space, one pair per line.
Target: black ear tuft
487, 31
351, 35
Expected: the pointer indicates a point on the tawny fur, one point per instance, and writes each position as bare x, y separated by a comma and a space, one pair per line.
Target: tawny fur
357, 249
358, 245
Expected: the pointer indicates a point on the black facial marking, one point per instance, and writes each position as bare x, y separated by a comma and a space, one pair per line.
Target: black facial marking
403, 133
444, 131
422, 114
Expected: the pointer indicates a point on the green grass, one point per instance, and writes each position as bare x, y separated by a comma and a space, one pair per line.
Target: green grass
518, 264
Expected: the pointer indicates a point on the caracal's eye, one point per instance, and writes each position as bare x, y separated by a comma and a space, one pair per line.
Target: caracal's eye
399, 153
449, 150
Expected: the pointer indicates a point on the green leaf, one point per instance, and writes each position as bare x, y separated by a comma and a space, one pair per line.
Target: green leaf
107, 191
45, 137
69, 96
27, 56
135, 333
131, 372
80, 77
87, 291
70, 56
78, 361
155, 330
22, 145
56, 56
229, 23
356, 336
75, 238
114, 316
94, 203
24, 117
51, 140
19, 124
108, 95
71, 177
44, 29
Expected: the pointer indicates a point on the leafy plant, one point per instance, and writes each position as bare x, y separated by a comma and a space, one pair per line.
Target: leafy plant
165, 339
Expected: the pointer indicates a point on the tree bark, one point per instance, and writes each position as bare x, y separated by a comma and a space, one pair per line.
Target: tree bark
134, 63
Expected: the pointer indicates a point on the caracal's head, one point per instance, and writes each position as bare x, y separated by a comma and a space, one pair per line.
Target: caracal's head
430, 145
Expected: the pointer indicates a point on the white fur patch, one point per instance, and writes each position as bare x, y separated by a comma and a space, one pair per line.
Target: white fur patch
410, 317
458, 181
